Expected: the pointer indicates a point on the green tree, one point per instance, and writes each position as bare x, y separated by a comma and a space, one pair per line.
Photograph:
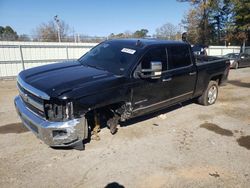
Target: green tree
119, 35
127, 34
1, 30
241, 20
140, 33
219, 19
8, 34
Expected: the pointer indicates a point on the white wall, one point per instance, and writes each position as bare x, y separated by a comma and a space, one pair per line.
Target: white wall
222, 50
36, 54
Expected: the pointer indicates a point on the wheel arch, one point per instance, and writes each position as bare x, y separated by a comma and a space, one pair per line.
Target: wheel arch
217, 78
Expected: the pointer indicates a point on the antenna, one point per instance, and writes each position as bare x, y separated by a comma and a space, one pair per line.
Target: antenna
138, 43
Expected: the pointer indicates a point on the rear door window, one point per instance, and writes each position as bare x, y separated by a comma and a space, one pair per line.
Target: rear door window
178, 56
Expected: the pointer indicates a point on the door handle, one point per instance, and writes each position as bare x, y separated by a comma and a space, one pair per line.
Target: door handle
166, 79
192, 73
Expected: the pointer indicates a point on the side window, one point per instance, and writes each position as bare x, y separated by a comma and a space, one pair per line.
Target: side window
155, 54
178, 56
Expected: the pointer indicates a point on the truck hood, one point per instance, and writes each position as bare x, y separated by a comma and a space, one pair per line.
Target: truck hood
60, 78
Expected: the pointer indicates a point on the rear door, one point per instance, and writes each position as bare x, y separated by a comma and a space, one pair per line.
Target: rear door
182, 72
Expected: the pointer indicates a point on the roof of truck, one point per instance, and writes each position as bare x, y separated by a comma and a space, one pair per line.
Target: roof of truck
141, 42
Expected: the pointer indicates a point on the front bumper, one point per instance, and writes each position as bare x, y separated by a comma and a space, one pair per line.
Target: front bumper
55, 134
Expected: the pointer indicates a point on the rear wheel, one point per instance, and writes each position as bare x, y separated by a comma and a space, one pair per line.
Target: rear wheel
210, 95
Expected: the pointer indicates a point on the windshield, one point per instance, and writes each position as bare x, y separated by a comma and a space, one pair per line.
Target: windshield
110, 56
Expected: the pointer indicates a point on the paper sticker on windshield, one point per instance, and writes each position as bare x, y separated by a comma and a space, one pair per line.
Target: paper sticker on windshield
127, 50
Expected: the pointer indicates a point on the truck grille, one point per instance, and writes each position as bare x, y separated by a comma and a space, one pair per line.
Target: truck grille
33, 102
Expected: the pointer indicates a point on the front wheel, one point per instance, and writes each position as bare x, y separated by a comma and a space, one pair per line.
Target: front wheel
210, 95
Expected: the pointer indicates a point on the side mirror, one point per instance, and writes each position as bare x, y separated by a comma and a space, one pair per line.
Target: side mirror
154, 72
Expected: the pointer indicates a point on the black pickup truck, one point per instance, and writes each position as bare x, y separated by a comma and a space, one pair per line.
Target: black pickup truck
116, 80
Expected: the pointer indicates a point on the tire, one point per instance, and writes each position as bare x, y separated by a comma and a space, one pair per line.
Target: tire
236, 66
210, 95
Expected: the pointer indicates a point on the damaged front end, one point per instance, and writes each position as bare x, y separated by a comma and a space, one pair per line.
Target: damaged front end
59, 111
52, 121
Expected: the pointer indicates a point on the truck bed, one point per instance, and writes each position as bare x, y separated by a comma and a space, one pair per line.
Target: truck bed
209, 67
207, 59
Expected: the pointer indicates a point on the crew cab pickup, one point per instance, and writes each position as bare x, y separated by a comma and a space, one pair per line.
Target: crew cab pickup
115, 81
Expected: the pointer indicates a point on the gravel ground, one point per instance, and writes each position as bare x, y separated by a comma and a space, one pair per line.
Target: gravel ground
186, 146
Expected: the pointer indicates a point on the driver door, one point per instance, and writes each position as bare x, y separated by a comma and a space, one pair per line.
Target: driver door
148, 93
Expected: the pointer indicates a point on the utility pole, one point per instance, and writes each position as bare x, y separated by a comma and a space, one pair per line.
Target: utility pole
58, 27
75, 38
78, 38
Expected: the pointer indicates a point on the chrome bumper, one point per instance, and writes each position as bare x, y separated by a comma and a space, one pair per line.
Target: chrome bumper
55, 134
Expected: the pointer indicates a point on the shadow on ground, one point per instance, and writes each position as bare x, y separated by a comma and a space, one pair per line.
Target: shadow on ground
239, 83
13, 128
114, 185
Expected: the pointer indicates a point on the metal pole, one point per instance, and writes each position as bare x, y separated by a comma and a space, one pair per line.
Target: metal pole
78, 38
243, 46
58, 27
21, 56
67, 52
75, 37
59, 36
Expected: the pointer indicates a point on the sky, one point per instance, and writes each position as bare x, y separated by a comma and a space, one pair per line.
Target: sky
92, 17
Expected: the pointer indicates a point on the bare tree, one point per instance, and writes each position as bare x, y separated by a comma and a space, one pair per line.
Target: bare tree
48, 32
167, 31
128, 34
191, 24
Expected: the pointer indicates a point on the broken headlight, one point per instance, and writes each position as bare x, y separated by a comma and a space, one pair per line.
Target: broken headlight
59, 112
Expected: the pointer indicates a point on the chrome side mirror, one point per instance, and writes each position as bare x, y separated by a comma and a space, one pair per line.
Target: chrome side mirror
154, 72
156, 68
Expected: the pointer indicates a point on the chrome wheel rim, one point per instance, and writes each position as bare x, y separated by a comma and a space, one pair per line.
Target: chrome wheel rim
212, 94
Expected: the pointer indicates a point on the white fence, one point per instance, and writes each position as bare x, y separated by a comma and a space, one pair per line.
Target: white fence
17, 56
222, 50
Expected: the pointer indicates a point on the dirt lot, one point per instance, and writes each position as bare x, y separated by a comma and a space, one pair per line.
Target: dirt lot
190, 146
